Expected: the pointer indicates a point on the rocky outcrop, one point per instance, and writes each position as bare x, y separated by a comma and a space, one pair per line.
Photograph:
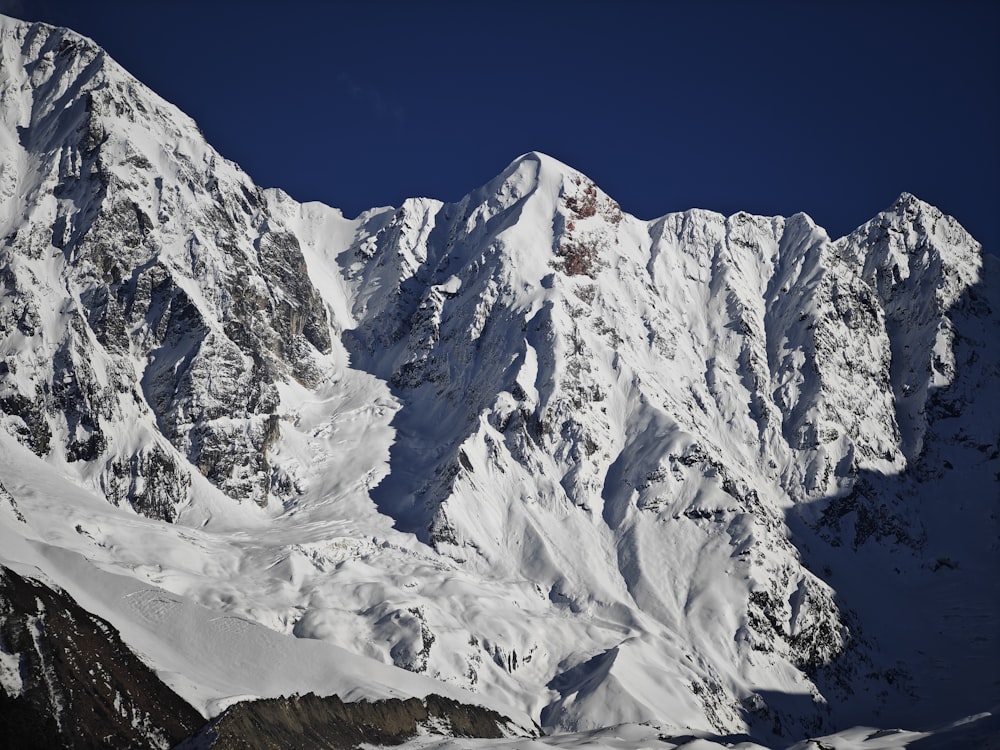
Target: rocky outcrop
327, 723
182, 301
665, 440
67, 680
675, 384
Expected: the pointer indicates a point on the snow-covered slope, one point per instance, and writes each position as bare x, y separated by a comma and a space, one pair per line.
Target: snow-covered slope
724, 474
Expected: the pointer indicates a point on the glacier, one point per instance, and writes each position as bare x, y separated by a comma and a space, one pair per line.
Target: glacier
700, 476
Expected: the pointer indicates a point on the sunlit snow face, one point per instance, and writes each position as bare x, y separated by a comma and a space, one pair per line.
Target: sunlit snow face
523, 449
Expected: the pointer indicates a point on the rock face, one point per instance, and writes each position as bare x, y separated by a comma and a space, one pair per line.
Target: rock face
69, 681
181, 301
310, 721
687, 389
699, 454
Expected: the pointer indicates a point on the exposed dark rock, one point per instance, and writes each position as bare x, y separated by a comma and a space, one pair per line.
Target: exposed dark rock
312, 722
187, 270
301, 311
80, 686
150, 481
36, 433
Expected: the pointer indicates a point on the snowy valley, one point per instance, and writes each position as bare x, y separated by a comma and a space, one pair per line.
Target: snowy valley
698, 481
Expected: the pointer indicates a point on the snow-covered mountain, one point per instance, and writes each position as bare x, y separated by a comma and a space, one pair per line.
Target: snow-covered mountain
720, 474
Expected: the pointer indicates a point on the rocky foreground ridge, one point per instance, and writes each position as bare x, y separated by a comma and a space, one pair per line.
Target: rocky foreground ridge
79, 686
725, 473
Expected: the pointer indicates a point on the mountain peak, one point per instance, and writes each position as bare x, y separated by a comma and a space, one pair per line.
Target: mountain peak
529, 173
35, 36
544, 162
909, 206
522, 442
564, 189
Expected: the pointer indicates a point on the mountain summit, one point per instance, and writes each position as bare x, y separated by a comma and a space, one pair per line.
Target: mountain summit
721, 474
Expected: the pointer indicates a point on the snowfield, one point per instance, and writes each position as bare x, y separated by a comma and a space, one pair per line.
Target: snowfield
701, 481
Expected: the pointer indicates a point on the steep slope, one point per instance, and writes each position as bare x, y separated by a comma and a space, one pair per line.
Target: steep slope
623, 413
600, 470
69, 681
145, 285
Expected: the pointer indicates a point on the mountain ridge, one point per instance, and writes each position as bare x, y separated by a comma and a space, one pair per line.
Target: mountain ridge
527, 396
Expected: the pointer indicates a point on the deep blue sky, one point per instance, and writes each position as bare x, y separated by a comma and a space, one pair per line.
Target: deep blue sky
832, 108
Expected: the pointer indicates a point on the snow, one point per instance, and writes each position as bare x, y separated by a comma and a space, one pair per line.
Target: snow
210, 658
582, 468
10, 674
